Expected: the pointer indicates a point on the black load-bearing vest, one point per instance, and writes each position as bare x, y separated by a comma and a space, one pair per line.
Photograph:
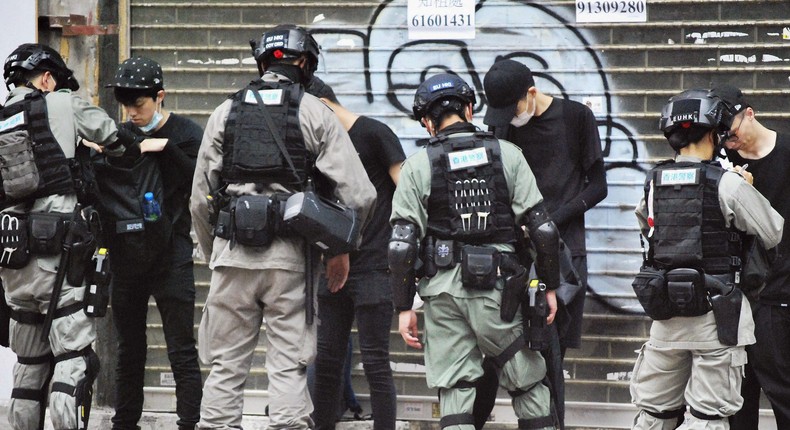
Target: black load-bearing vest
56, 173
689, 227
467, 177
251, 152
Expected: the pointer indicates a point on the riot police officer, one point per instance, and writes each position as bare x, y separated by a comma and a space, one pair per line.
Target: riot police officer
459, 206
261, 146
695, 216
45, 176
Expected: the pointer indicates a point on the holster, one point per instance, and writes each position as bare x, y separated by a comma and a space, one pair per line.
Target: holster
513, 293
536, 309
726, 305
81, 253
97, 295
5, 319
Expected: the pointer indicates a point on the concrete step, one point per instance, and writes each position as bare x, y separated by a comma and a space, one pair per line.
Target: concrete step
414, 413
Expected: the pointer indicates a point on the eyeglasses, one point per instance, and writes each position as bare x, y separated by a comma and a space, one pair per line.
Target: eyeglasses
728, 135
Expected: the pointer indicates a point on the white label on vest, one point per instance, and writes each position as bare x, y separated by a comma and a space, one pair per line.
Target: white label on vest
678, 177
9, 123
269, 97
467, 158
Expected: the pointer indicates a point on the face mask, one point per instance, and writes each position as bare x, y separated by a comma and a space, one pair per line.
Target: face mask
151, 126
524, 117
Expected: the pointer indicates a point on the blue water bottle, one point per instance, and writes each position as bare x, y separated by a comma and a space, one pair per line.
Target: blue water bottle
151, 210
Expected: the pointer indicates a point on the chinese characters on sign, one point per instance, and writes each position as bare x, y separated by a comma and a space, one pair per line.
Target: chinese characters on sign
441, 19
678, 177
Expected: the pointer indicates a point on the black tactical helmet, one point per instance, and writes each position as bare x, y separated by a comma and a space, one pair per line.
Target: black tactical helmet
35, 56
443, 87
284, 42
691, 107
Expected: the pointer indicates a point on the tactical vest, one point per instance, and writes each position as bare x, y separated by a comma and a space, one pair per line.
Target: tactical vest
262, 114
689, 227
469, 199
56, 174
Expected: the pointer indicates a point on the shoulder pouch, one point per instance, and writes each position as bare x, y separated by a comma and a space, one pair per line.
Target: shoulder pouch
18, 165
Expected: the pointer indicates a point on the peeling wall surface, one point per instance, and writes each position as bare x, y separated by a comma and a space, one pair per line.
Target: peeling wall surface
624, 71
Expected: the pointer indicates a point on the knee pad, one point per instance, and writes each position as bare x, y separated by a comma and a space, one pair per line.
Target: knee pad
699, 415
456, 420
679, 414
83, 390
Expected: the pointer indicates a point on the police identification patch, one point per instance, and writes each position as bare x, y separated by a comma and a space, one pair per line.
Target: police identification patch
468, 158
13, 121
672, 177
269, 97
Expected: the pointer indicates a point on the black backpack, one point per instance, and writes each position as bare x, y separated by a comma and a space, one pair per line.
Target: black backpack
137, 247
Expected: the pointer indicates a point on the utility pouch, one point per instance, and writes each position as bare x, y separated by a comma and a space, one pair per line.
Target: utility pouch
479, 266
536, 328
513, 294
650, 286
445, 254
429, 268
222, 227
727, 312
687, 293
46, 233
217, 201
81, 253
18, 165
14, 241
252, 224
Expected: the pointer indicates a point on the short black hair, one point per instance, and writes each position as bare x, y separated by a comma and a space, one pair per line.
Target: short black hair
22, 78
129, 96
444, 108
681, 137
322, 90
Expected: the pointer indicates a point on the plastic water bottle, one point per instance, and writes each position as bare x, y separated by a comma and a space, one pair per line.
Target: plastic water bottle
151, 209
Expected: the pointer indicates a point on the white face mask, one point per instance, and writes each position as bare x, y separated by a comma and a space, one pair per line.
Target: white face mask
523, 118
151, 126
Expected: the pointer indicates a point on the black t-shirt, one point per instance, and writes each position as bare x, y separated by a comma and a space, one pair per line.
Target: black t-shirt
560, 146
177, 165
378, 149
772, 179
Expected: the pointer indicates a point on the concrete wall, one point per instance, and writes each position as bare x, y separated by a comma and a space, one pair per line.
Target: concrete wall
626, 71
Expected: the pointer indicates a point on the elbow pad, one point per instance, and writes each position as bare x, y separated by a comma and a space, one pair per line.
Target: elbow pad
546, 239
402, 256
